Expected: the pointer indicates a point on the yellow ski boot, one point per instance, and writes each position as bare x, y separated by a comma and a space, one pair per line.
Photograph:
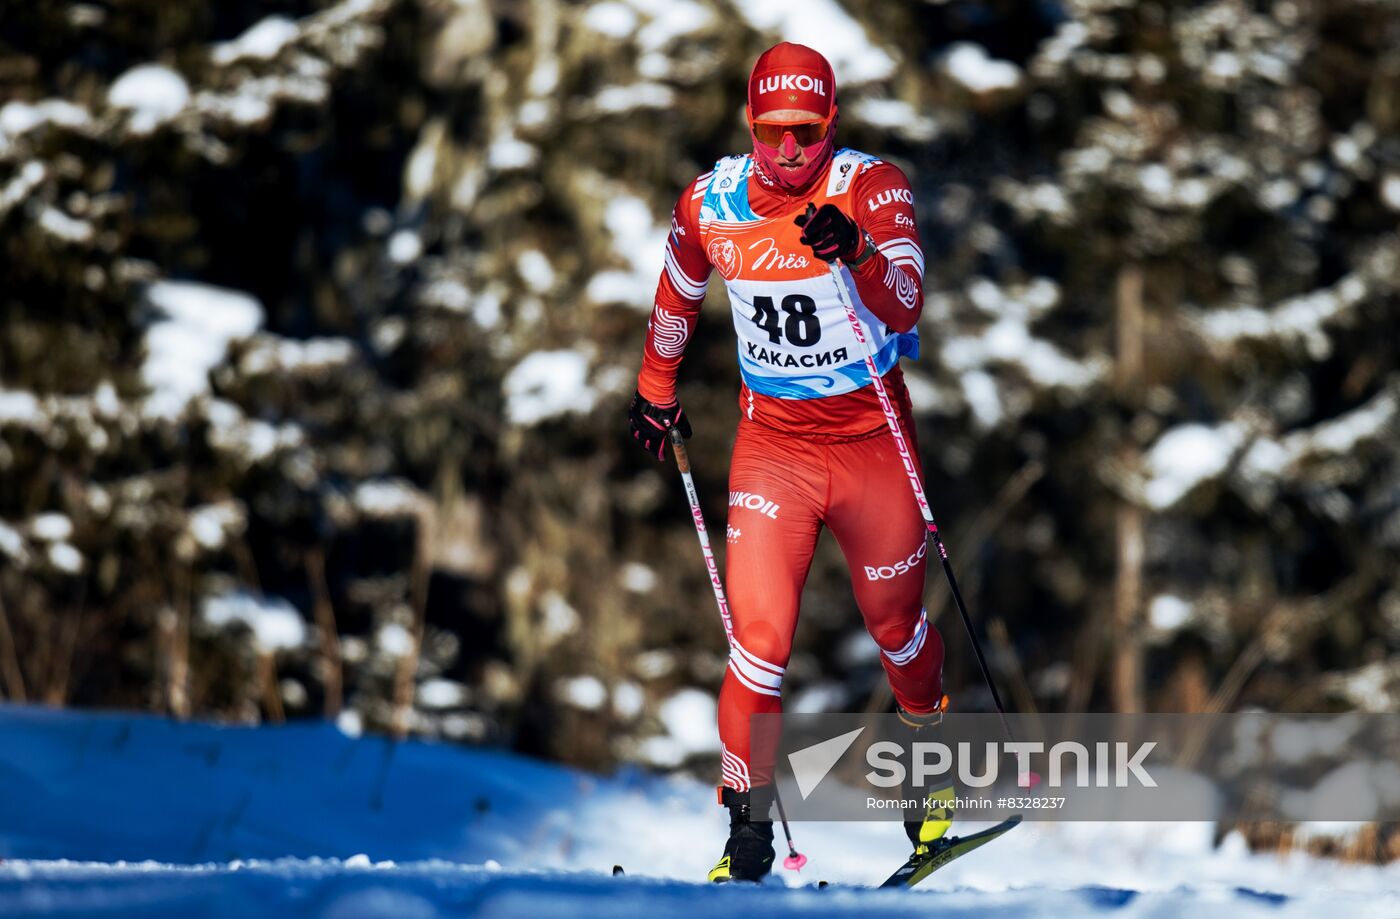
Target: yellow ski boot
937, 817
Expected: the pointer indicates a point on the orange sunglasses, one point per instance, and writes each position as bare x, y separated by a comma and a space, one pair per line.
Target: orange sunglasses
806, 133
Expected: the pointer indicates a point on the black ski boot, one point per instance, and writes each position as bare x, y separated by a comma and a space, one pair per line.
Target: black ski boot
748, 855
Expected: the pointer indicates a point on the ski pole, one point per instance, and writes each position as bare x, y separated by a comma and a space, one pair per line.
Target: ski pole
902, 446
795, 859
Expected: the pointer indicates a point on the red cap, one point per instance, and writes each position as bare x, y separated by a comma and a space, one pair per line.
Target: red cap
789, 76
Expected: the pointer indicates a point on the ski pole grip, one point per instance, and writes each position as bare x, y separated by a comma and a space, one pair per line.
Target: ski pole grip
678, 444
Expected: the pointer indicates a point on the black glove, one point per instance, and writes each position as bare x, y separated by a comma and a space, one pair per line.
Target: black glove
652, 423
830, 233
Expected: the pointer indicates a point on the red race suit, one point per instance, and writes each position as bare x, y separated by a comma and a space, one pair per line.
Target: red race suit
813, 447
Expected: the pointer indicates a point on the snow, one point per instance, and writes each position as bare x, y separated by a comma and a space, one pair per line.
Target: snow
857, 649
1009, 341
827, 27
19, 408
389, 498
154, 94
1379, 416
897, 116
1279, 194
249, 440
980, 392
105, 399
614, 99
405, 246
253, 100
585, 692
1357, 781
440, 693
1303, 318
547, 384
1339, 435
1224, 68
1294, 743
65, 558
264, 40
619, 287
422, 163
275, 354
534, 268
544, 76
1186, 456
276, 625
1368, 687
212, 524
822, 697
248, 106
508, 152
196, 324
19, 118
654, 664
470, 182
533, 113
1156, 180
689, 719
1346, 151
638, 578
486, 310
394, 640
444, 293
969, 65
628, 220
350, 723
293, 693
19, 187
1168, 613
639, 240
66, 228
559, 619
1390, 190
628, 699
1024, 302
11, 542
1069, 37
668, 20
114, 814
51, 527
615, 20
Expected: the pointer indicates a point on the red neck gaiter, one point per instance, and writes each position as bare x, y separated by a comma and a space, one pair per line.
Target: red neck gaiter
793, 77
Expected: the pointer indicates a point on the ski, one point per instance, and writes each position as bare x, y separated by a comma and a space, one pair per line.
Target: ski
919, 867
944, 851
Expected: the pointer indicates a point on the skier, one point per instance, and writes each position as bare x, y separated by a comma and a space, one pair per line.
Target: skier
813, 447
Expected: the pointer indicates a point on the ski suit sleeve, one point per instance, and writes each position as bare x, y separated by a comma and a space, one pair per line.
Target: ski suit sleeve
679, 294
891, 283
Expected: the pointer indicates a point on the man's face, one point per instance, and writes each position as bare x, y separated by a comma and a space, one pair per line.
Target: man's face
789, 155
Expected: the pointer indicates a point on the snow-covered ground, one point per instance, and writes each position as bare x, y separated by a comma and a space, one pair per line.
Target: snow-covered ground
106, 815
